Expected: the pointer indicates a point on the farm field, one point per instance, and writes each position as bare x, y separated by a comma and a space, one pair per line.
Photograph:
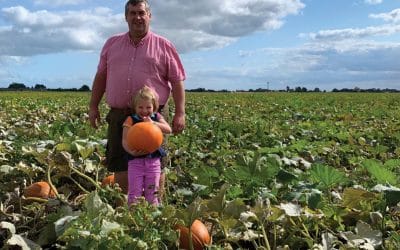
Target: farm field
261, 170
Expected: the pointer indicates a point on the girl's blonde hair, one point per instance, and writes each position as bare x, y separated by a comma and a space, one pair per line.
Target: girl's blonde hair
145, 93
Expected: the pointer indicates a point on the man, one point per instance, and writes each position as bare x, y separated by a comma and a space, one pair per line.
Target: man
128, 62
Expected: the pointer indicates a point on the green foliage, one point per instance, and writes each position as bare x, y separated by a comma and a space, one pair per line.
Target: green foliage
327, 177
261, 170
99, 226
379, 172
253, 173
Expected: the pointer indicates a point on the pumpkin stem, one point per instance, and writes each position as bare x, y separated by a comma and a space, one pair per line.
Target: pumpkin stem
190, 238
52, 187
79, 185
266, 242
37, 199
86, 177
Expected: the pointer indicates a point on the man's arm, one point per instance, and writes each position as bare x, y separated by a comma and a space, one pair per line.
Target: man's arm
178, 94
98, 89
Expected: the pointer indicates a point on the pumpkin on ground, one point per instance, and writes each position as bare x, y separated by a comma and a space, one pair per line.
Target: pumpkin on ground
108, 180
144, 136
200, 236
39, 189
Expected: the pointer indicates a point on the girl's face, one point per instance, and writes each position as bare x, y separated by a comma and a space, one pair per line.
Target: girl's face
144, 108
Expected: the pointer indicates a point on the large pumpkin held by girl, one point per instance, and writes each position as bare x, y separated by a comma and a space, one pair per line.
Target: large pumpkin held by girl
200, 236
144, 136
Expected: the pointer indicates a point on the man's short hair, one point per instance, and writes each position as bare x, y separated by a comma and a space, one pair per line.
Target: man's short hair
135, 2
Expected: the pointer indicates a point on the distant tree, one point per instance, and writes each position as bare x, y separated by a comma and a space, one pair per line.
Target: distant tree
84, 88
39, 87
317, 90
198, 90
17, 86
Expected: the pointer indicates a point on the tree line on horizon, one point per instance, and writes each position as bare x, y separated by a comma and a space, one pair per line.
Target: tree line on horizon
299, 89
42, 87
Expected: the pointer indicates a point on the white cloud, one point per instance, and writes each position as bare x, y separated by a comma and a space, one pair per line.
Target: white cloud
353, 33
226, 19
231, 18
393, 16
361, 56
324, 64
58, 2
197, 24
332, 57
41, 32
21, 17
189, 40
6, 75
373, 1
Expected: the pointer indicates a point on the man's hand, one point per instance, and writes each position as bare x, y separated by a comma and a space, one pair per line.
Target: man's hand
94, 117
178, 123
178, 94
98, 89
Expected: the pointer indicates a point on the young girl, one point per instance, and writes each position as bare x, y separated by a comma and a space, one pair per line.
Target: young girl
144, 169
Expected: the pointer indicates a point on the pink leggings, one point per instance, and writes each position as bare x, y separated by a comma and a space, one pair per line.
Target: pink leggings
144, 179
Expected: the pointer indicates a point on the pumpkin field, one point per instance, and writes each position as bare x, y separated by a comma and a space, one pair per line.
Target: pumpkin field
251, 171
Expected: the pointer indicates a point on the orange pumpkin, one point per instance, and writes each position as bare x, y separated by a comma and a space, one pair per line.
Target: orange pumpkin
108, 180
144, 136
39, 189
200, 236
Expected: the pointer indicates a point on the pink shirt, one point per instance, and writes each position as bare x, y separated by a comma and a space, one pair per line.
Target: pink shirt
153, 62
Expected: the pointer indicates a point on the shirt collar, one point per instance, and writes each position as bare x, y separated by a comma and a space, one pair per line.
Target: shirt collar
144, 39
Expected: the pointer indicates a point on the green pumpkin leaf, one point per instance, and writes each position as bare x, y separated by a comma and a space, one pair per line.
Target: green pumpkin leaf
327, 176
392, 164
392, 197
381, 174
217, 203
352, 197
235, 208
314, 198
84, 152
285, 176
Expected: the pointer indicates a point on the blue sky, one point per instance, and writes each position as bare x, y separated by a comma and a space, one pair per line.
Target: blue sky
226, 44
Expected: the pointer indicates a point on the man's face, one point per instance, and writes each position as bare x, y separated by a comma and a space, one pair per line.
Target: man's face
138, 19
